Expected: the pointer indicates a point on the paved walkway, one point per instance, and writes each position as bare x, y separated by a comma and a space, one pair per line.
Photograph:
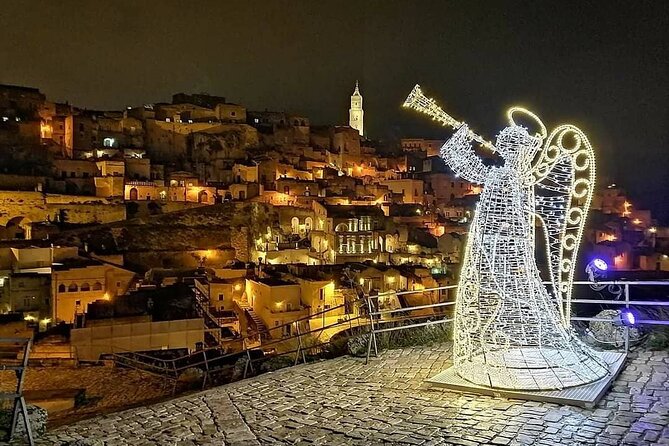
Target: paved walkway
344, 401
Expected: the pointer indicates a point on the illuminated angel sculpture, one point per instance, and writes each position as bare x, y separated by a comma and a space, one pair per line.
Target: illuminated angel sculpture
511, 331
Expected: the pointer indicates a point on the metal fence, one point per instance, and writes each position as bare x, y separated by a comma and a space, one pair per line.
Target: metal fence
370, 319
624, 299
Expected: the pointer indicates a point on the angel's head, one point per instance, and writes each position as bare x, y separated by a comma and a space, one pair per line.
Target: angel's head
517, 146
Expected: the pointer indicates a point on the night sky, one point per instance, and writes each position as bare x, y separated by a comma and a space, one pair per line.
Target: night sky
601, 65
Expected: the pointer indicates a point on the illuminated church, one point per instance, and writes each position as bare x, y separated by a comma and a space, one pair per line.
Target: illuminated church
355, 113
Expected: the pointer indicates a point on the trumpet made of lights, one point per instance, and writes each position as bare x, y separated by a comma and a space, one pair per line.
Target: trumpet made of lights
511, 331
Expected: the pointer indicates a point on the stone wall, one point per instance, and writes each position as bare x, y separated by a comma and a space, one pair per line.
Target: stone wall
240, 241
91, 342
38, 207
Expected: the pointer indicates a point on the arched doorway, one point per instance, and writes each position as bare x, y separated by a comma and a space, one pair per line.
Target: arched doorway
308, 224
133, 193
17, 228
203, 197
295, 225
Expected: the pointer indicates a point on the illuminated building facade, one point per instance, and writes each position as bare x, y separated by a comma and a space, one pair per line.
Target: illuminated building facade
355, 113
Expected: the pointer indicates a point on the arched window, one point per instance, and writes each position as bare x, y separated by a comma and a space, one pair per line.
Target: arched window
308, 224
108, 142
97, 286
203, 197
133, 193
61, 288
85, 287
295, 225
341, 227
73, 288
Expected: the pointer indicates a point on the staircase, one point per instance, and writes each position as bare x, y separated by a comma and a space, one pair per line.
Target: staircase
246, 309
212, 328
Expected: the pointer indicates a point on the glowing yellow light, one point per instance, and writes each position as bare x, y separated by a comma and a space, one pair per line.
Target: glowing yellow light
391, 279
563, 162
626, 212
29, 318
238, 286
636, 221
362, 281
516, 109
652, 230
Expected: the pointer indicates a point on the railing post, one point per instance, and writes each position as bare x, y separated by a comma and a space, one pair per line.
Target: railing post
300, 350
206, 366
627, 328
372, 332
176, 377
248, 358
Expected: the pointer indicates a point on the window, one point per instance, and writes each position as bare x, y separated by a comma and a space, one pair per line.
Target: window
85, 287
77, 303
61, 288
73, 288
97, 286
232, 113
286, 190
295, 225
108, 142
220, 296
321, 293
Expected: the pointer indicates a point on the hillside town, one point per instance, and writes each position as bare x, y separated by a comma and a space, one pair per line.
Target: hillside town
201, 223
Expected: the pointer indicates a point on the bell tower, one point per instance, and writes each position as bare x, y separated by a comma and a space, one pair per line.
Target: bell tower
355, 113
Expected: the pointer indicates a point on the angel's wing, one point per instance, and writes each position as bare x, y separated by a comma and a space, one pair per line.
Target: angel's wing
564, 175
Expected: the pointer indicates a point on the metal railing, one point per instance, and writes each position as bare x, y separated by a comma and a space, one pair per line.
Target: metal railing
290, 340
298, 338
626, 301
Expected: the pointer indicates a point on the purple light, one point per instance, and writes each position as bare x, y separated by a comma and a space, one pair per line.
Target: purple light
628, 317
625, 318
600, 264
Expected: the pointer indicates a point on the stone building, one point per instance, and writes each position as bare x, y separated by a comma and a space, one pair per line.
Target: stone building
355, 113
77, 282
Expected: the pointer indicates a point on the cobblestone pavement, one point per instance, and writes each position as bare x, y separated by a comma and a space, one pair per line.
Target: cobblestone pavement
344, 401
